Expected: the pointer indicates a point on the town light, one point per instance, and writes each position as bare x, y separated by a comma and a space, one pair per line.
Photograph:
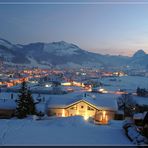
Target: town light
102, 90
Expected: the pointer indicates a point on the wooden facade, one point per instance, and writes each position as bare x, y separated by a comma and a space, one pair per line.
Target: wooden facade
85, 109
6, 113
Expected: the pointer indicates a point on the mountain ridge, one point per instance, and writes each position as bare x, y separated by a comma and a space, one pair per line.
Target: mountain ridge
62, 54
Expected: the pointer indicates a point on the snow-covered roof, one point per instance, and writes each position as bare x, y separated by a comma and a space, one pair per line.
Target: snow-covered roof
100, 101
138, 116
7, 104
61, 101
141, 100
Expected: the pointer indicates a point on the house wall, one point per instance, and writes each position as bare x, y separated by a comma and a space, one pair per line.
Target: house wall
108, 115
83, 109
58, 112
6, 113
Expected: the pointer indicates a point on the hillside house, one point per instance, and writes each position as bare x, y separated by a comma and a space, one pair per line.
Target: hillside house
100, 107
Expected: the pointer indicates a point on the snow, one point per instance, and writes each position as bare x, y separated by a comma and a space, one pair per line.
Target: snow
141, 100
61, 48
130, 83
132, 132
41, 107
5, 43
33, 62
60, 131
103, 101
7, 104
106, 101
136, 137
138, 116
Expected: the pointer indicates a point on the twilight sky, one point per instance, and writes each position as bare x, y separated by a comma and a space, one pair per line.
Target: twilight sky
103, 28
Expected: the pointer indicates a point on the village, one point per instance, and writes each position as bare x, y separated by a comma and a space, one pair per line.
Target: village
100, 99
74, 73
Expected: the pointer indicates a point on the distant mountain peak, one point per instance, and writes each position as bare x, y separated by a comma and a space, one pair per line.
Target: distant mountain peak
5, 43
3, 40
139, 53
60, 43
64, 44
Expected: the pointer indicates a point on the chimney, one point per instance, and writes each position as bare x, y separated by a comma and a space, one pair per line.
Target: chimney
11, 96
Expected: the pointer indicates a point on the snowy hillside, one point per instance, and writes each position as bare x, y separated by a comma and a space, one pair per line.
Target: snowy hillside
61, 48
5, 43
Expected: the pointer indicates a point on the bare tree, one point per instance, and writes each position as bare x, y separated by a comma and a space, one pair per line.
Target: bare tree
127, 104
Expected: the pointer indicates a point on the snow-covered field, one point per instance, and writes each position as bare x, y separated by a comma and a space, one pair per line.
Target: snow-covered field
129, 83
60, 131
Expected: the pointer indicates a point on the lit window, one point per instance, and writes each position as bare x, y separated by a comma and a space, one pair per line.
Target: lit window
89, 108
59, 114
74, 107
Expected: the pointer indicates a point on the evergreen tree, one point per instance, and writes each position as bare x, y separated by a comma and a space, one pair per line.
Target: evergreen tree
25, 102
21, 110
138, 91
30, 104
141, 92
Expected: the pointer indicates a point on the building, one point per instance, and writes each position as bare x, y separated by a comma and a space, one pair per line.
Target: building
7, 108
100, 107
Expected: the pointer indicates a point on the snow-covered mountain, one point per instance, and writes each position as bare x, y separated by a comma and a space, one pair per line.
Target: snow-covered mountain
60, 54
140, 53
139, 59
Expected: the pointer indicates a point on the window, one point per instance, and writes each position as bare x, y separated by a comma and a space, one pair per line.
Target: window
89, 108
82, 106
74, 107
59, 114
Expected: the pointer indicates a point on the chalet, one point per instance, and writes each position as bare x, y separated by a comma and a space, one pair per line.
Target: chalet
100, 107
